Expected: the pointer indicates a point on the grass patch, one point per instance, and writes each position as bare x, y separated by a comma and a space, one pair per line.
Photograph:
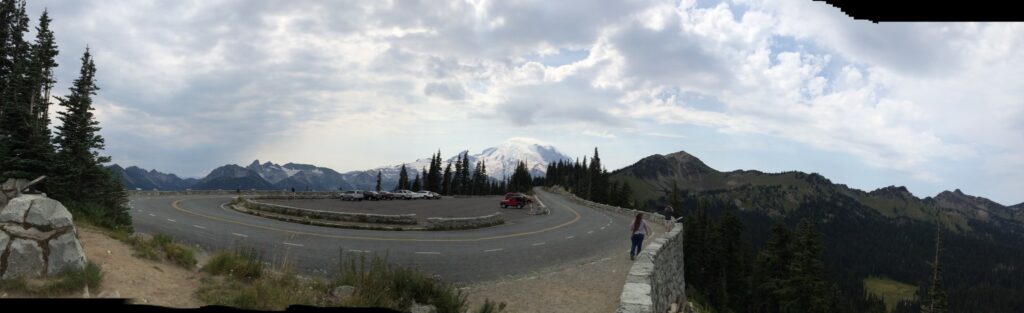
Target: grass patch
892, 292
239, 279
243, 264
70, 281
160, 247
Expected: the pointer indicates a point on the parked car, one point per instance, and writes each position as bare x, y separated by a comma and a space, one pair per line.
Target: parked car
514, 194
515, 201
371, 195
408, 195
427, 194
352, 195
386, 195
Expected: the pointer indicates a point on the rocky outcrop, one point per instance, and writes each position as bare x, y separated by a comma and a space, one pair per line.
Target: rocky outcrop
37, 238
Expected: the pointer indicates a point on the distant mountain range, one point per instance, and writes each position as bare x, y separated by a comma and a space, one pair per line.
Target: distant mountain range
500, 160
887, 232
653, 177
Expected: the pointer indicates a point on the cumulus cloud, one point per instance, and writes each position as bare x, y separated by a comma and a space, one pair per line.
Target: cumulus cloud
215, 81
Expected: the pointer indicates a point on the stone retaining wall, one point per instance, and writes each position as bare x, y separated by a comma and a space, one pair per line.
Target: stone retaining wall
655, 281
403, 219
449, 223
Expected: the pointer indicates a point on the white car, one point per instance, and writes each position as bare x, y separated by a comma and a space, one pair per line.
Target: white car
427, 194
408, 195
352, 195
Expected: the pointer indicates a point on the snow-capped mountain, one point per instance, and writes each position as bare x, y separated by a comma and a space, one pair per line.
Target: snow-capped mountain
500, 160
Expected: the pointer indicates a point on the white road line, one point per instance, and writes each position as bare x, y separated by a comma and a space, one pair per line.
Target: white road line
602, 228
172, 221
590, 232
494, 250
428, 252
292, 244
240, 235
538, 244
570, 237
197, 226
359, 251
151, 214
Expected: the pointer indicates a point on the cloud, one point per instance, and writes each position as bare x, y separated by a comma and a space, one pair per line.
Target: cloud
188, 85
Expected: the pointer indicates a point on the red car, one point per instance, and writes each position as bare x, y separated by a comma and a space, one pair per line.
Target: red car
515, 201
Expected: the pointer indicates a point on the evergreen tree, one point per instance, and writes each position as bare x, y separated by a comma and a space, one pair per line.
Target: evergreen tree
936, 301
773, 269
734, 267
18, 153
403, 179
378, 181
446, 180
423, 179
808, 291
416, 183
626, 197
457, 187
82, 181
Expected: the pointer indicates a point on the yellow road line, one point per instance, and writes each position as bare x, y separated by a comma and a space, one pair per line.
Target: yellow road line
294, 232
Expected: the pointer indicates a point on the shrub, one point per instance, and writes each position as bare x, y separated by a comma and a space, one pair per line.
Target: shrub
244, 264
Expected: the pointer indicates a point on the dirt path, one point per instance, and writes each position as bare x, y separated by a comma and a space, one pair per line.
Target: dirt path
146, 281
592, 285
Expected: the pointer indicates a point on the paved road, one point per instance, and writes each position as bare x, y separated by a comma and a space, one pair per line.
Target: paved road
570, 233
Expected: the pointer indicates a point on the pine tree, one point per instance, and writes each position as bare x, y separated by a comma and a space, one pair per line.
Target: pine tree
83, 184
732, 261
446, 180
937, 301
378, 181
807, 280
773, 269
19, 153
403, 179
423, 180
626, 197
416, 183
457, 187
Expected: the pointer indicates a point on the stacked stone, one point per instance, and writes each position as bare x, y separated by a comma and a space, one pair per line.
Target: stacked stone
37, 238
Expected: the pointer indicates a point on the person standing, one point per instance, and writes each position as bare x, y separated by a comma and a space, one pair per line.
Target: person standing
668, 216
639, 230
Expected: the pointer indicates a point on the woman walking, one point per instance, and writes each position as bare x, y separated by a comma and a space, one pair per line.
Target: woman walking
639, 230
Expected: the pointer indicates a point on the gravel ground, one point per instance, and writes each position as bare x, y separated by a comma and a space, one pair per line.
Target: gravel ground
445, 207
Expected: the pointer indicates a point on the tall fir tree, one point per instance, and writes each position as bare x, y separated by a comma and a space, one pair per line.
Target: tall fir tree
773, 270
446, 180
937, 301
82, 182
416, 184
378, 181
423, 180
806, 284
403, 179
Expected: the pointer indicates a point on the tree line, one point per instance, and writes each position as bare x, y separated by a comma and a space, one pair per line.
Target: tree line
460, 179
28, 149
588, 181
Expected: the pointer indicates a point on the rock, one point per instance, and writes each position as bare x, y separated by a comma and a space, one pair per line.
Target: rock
15, 210
28, 233
65, 253
24, 259
47, 213
4, 240
418, 308
343, 291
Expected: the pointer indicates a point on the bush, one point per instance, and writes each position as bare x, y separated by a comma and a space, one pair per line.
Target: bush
244, 264
379, 284
67, 282
160, 247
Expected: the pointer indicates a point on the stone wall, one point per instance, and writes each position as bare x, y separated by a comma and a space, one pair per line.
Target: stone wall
656, 280
403, 219
449, 223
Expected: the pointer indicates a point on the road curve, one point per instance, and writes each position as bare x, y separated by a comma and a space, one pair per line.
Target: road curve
571, 232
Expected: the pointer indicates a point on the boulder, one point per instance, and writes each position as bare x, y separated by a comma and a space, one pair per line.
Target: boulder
419, 308
39, 237
25, 259
65, 253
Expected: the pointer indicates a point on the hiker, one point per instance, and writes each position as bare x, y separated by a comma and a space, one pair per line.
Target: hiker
668, 216
639, 230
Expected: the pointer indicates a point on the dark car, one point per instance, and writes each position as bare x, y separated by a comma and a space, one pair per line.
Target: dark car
371, 195
385, 195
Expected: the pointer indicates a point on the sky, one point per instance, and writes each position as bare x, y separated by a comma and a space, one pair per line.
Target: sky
187, 86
